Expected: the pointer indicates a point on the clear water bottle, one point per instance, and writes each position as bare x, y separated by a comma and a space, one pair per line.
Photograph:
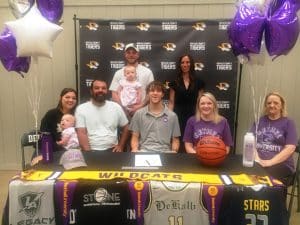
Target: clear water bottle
47, 147
249, 150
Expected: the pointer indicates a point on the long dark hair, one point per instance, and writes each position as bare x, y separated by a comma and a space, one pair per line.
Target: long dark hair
179, 79
62, 93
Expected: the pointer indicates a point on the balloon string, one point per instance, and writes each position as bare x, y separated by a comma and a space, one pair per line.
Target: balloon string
257, 107
34, 90
253, 93
267, 84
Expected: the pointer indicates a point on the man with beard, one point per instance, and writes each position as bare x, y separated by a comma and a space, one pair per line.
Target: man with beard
143, 74
98, 120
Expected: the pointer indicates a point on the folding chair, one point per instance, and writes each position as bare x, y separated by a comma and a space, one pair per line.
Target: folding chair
29, 139
295, 184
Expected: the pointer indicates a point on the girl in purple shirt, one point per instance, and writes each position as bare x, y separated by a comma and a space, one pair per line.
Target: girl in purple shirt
206, 122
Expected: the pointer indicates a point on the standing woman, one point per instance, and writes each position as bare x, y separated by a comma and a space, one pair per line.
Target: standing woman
184, 91
206, 122
51, 120
276, 139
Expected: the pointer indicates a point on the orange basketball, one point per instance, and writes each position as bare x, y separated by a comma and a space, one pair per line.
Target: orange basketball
211, 151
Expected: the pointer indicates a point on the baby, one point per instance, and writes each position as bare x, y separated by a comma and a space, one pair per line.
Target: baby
69, 139
129, 91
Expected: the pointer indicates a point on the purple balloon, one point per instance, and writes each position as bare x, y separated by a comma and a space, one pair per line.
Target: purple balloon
8, 54
246, 30
296, 4
282, 29
52, 10
274, 6
277, 4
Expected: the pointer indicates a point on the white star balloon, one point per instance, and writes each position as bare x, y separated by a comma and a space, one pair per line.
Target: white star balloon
34, 34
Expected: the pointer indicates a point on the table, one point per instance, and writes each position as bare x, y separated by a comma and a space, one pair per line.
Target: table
115, 199
103, 160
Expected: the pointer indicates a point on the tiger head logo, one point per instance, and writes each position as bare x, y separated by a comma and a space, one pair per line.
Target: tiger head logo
143, 26
169, 46
199, 26
118, 46
92, 26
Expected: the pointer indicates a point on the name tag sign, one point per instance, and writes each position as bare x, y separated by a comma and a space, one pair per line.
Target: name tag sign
147, 160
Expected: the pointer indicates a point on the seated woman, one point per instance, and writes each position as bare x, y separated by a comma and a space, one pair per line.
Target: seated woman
206, 122
51, 121
276, 139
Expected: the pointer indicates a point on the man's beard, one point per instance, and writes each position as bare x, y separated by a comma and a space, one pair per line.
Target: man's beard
99, 98
132, 61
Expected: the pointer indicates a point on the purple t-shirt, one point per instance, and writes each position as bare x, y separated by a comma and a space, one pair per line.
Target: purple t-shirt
273, 135
195, 130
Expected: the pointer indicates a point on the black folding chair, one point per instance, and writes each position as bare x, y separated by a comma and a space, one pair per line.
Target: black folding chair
29, 142
295, 184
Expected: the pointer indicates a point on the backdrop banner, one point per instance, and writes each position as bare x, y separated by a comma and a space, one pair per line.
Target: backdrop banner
161, 43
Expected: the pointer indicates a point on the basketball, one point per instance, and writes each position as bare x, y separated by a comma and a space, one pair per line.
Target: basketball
211, 151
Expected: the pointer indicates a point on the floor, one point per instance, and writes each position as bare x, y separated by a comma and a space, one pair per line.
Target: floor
6, 175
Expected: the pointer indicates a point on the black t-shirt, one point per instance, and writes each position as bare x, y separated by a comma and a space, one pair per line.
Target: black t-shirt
245, 205
92, 202
185, 100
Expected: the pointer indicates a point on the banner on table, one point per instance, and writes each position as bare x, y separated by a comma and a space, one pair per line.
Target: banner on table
239, 179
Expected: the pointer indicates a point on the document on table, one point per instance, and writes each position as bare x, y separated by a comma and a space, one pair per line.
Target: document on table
148, 160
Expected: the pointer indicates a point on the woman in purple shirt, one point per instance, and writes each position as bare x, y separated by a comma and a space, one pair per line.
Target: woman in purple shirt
206, 122
276, 139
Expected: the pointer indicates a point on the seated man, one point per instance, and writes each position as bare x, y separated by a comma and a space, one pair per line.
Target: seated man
154, 127
98, 120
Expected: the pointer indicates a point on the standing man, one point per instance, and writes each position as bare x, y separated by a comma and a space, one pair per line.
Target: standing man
144, 76
98, 120
155, 128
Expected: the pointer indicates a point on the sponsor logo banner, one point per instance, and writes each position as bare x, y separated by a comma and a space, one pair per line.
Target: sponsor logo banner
161, 43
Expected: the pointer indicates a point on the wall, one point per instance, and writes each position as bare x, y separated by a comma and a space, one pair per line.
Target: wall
58, 72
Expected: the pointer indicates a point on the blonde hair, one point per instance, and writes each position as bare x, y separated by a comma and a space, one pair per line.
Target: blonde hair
217, 117
283, 110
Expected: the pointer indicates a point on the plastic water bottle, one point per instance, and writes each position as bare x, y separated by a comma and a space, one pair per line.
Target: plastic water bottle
248, 150
47, 147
